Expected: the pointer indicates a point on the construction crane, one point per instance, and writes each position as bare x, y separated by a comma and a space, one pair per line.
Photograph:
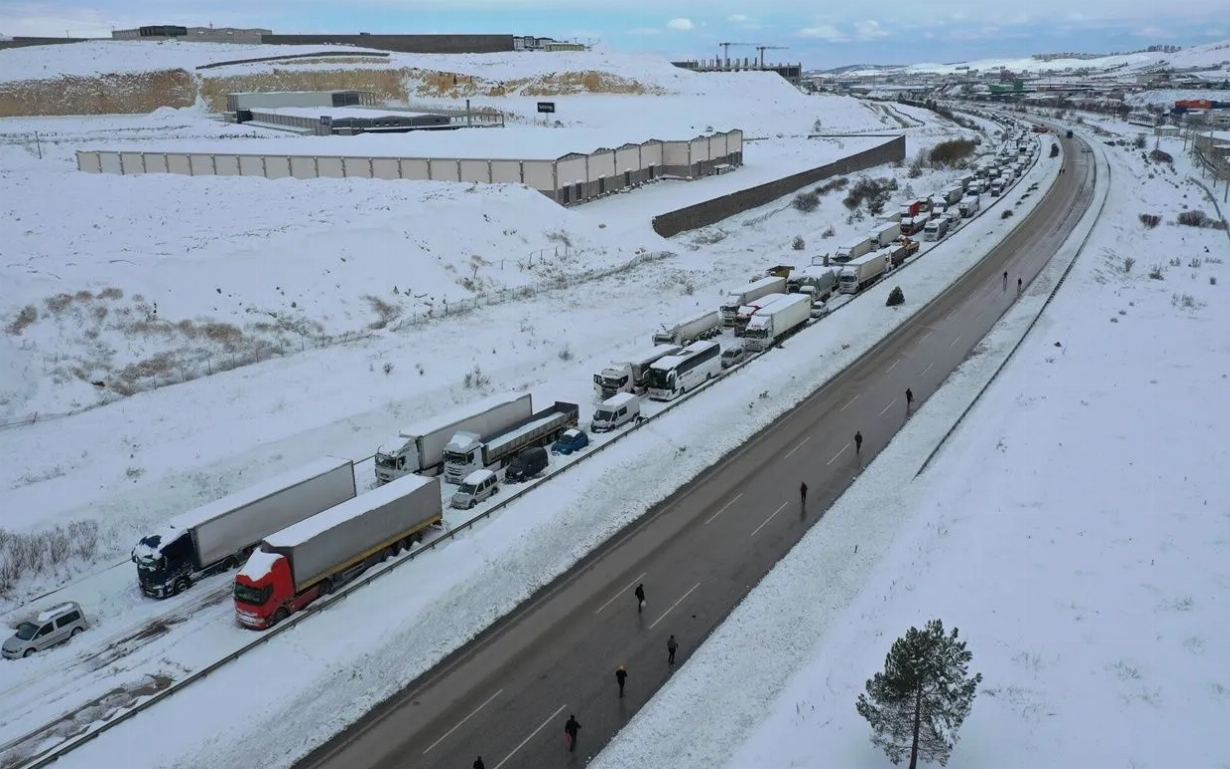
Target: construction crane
726, 50
763, 48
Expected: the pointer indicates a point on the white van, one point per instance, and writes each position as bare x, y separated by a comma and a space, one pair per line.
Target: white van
615, 412
935, 229
48, 628
475, 488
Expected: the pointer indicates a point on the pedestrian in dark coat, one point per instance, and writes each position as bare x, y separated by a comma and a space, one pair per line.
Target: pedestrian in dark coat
909, 399
858, 443
640, 598
621, 675
478, 763
671, 647
571, 727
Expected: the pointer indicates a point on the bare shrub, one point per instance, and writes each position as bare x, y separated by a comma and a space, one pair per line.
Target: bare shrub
1193, 218
224, 334
806, 202
100, 313
559, 236
84, 538
58, 545
1150, 220
798, 244
828, 233
387, 367
1006, 214
565, 353
111, 293
1212, 280
476, 379
1195, 262
58, 303
25, 317
387, 312
1139, 141
1156, 272
951, 152
1174, 261
1128, 263
1161, 156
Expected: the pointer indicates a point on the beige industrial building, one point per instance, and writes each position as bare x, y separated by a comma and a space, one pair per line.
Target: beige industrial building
568, 179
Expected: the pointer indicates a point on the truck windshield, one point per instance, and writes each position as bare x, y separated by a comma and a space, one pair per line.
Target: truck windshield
253, 596
754, 332
385, 460
455, 458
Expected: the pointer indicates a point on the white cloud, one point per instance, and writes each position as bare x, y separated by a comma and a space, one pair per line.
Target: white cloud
743, 21
824, 32
682, 25
860, 31
644, 31
869, 30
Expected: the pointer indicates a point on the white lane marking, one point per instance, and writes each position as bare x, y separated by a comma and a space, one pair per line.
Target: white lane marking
926, 334
796, 448
834, 459
843, 408
928, 368
676, 603
620, 593
728, 504
462, 721
771, 517
890, 368
889, 406
954, 341
532, 734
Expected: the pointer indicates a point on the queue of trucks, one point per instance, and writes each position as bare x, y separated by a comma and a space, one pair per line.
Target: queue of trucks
471, 450
744, 296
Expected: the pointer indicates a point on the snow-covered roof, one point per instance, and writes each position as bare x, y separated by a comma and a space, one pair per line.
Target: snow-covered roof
47, 615
339, 514
259, 564
476, 477
369, 113
619, 399
218, 507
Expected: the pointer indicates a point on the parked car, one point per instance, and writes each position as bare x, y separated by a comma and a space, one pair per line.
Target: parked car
48, 628
572, 440
527, 464
733, 355
475, 488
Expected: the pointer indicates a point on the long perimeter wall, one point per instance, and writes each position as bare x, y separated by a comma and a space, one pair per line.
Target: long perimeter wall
716, 209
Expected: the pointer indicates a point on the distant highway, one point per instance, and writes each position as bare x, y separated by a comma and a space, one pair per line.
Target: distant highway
507, 694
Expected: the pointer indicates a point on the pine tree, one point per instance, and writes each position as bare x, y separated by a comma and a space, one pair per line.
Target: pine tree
918, 703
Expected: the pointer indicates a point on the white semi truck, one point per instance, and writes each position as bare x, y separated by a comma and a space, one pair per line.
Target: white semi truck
885, 233
822, 280
779, 319
632, 374
748, 310
748, 294
469, 451
219, 535
853, 250
702, 326
862, 272
420, 448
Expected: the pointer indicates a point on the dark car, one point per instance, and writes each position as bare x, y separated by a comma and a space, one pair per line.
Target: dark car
527, 464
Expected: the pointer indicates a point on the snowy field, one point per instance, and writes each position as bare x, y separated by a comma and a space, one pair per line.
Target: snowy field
1083, 562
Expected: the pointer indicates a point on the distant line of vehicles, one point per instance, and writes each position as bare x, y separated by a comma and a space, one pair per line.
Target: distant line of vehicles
306, 532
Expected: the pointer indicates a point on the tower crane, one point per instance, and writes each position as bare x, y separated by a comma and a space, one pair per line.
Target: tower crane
763, 48
726, 50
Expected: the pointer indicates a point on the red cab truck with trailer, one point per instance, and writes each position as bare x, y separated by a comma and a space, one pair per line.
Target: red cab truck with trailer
303, 562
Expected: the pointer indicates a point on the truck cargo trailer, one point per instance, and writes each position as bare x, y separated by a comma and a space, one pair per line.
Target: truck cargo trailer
310, 559
885, 233
822, 280
862, 272
630, 375
853, 250
747, 294
748, 310
218, 536
701, 326
776, 321
420, 448
468, 452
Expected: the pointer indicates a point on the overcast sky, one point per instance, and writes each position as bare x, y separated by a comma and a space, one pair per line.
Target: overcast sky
826, 34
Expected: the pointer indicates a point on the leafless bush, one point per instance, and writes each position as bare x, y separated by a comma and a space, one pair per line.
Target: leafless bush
1183, 300
388, 367
476, 379
1194, 218
1139, 141
58, 303
25, 317
828, 233
1128, 263
1161, 156
1175, 261
1150, 220
58, 545
1195, 262
798, 244
806, 202
951, 152
1156, 272
1006, 214
565, 353
559, 236
111, 293
1212, 280
387, 312
84, 537
224, 334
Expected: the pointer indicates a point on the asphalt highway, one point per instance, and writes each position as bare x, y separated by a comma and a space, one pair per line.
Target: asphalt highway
506, 695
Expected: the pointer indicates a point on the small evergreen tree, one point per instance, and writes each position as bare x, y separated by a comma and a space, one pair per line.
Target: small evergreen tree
919, 702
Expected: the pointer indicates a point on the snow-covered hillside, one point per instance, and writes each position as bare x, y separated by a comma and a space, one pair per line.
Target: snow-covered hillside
1074, 529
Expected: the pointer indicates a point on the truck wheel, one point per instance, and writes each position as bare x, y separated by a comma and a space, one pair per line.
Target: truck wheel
230, 563
279, 615
181, 585
388, 553
326, 587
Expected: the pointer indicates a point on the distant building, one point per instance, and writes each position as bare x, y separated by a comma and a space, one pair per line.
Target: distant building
532, 43
197, 34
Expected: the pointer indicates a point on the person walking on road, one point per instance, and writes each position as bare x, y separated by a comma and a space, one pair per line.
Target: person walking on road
571, 727
640, 598
909, 400
1005, 280
621, 675
1020, 286
803, 493
858, 444
672, 646
478, 763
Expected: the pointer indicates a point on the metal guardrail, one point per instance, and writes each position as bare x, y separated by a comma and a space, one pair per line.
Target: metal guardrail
1008, 358
65, 748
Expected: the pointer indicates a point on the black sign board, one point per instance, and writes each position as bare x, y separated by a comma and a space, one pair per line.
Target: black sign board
546, 106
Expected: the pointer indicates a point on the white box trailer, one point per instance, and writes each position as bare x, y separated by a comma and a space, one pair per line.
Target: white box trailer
420, 447
885, 233
853, 250
862, 272
219, 535
779, 319
748, 310
746, 294
822, 281
953, 194
631, 374
969, 206
468, 452
701, 326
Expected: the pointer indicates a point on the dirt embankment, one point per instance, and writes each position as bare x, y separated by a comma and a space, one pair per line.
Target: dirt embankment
145, 92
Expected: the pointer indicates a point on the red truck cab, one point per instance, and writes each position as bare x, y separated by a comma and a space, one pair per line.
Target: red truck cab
265, 591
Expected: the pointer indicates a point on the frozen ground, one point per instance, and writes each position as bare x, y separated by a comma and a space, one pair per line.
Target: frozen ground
1074, 528
321, 676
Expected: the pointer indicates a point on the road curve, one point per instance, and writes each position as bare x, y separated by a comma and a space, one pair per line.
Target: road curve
506, 695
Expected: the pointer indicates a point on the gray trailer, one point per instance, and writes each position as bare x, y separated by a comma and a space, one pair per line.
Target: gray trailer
468, 452
219, 535
420, 448
822, 280
701, 326
300, 563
